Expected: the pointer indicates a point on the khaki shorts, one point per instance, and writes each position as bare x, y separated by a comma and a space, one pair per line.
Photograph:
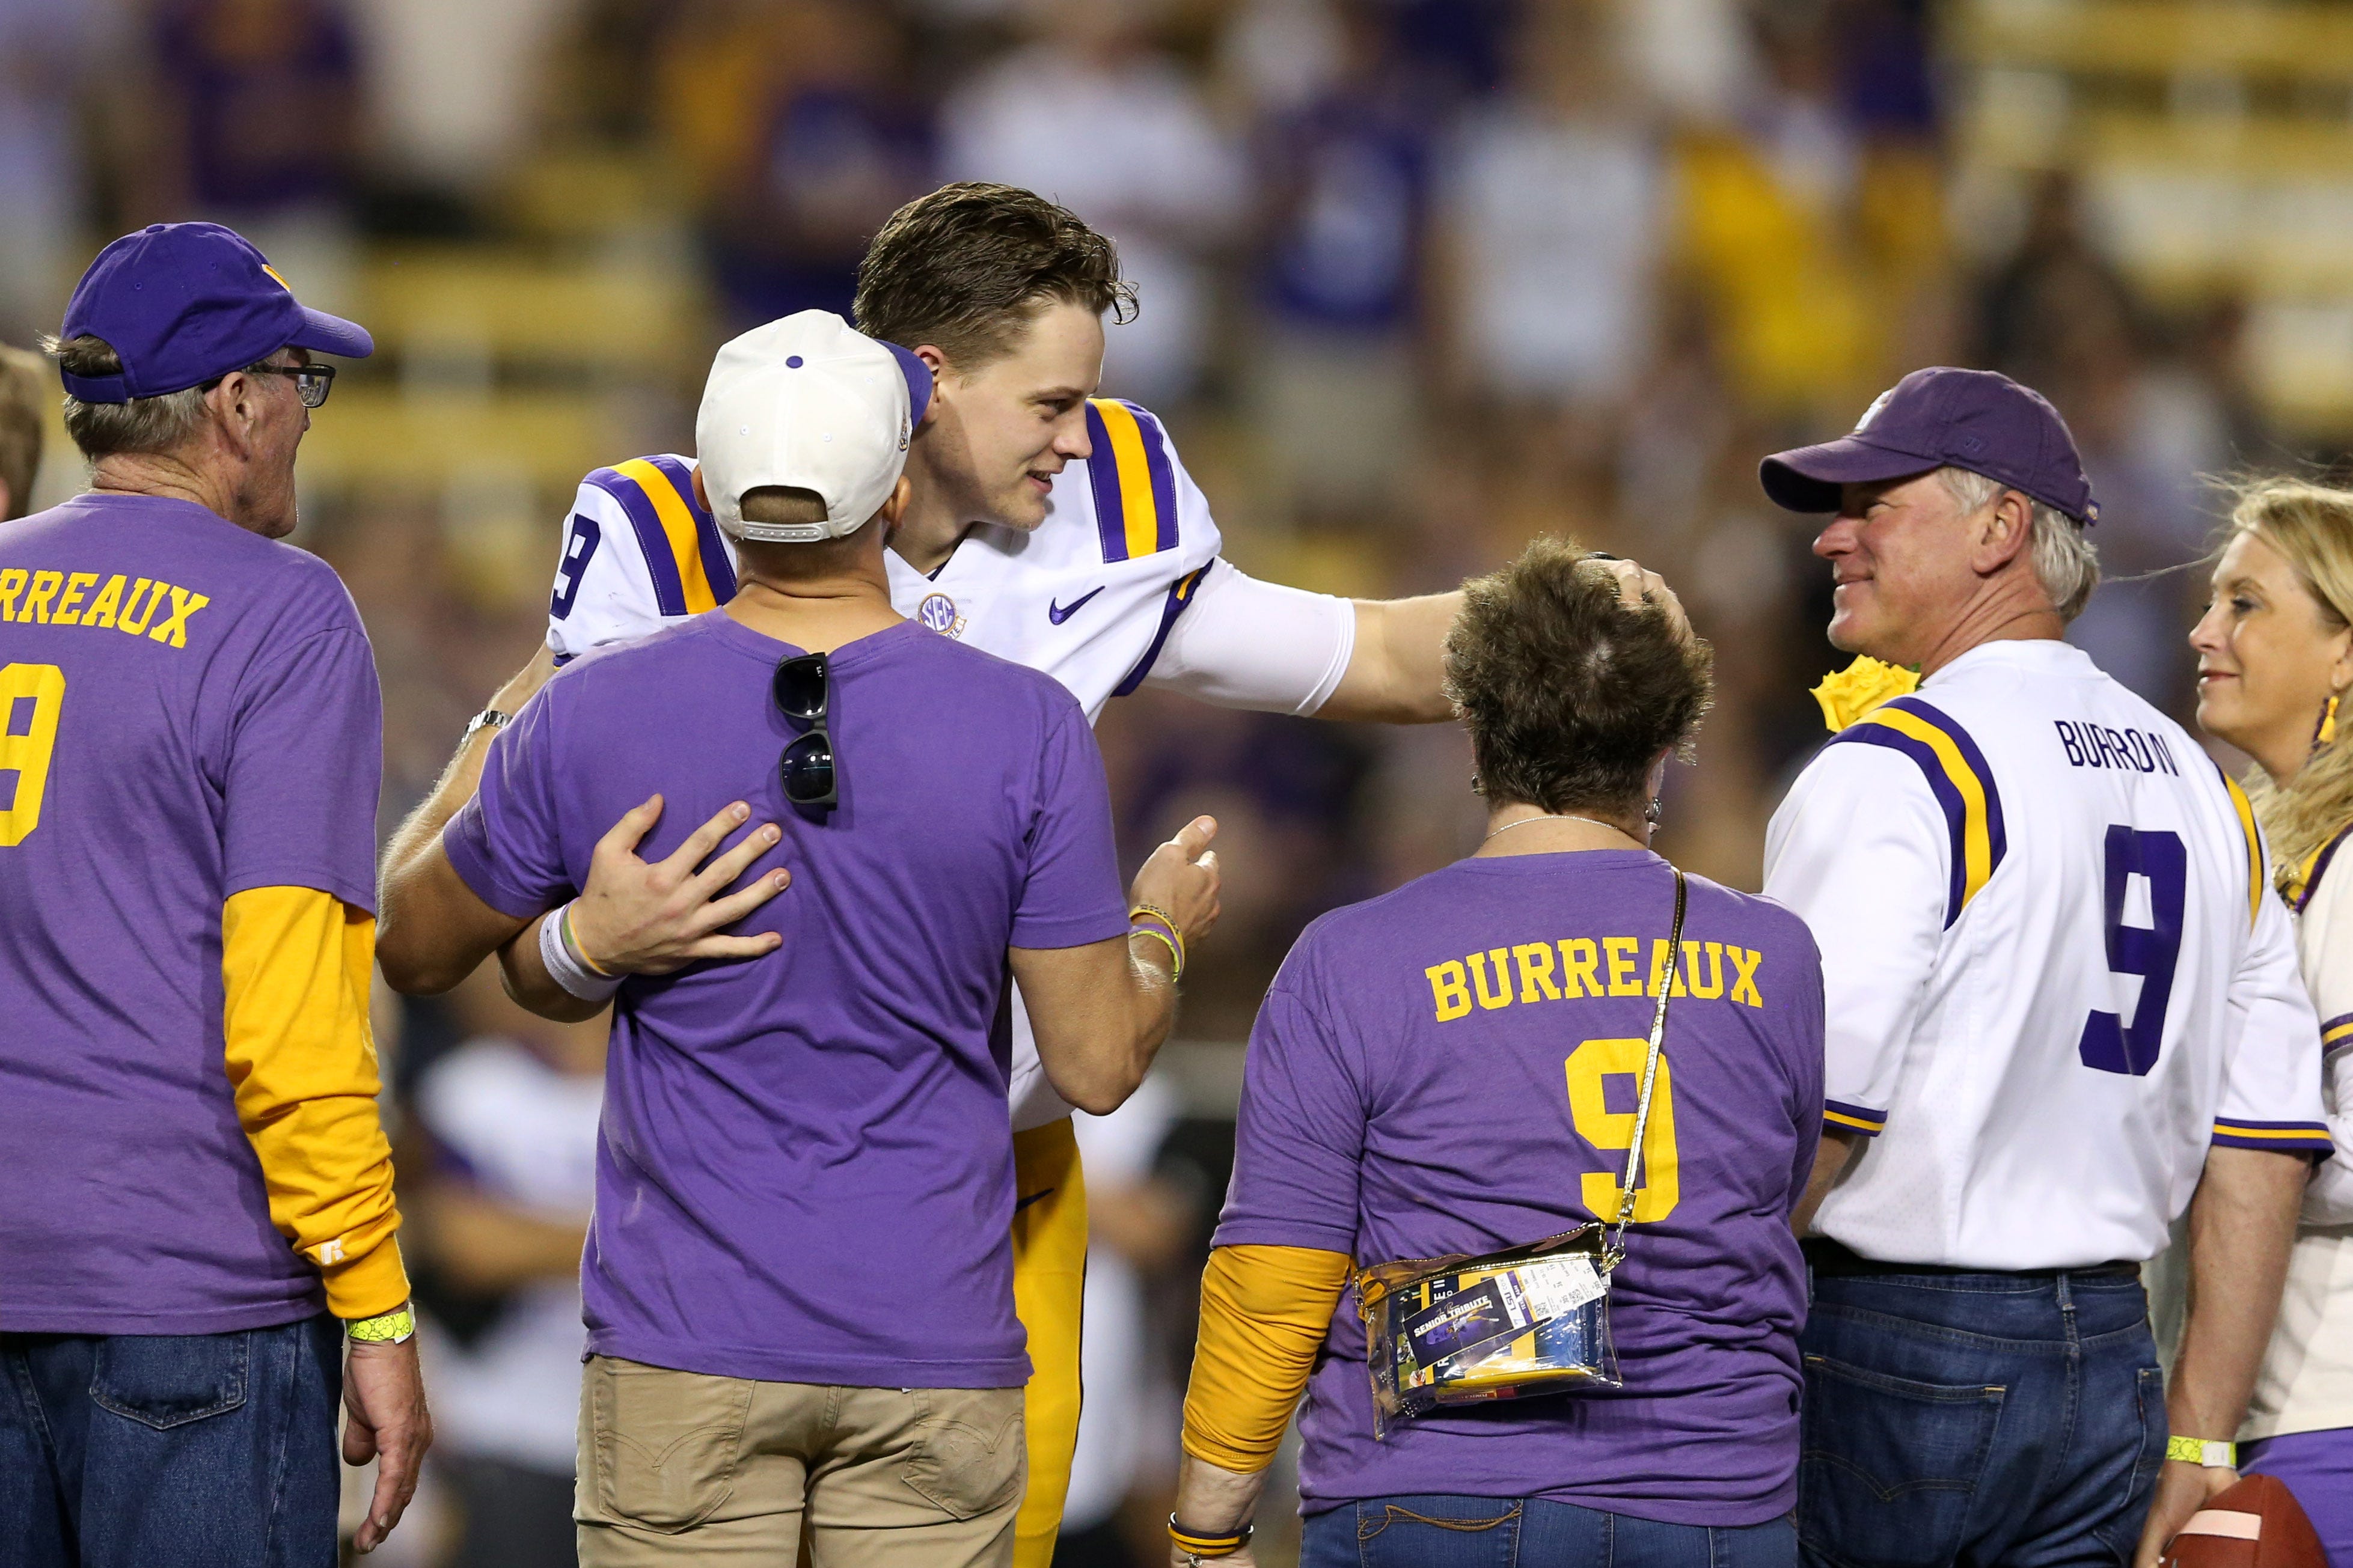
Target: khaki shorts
679, 1467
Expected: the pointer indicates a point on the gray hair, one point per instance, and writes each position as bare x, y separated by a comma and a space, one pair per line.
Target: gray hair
142, 425
2064, 561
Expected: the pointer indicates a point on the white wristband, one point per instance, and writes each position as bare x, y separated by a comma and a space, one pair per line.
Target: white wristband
566, 970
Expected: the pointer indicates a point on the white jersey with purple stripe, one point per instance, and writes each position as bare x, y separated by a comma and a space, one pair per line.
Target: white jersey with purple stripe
2306, 1381
2054, 967
1089, 598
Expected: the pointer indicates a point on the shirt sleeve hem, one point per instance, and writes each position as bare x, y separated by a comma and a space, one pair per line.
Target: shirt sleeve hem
2279, 1137
1266, 1232
359, 895
1067, 931
474, 870
1862, 1120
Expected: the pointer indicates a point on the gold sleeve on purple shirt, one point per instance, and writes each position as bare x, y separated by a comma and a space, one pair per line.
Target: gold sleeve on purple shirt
295, 967
1265, 1312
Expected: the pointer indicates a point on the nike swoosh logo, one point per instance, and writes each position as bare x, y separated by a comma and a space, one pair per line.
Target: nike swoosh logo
1020, 1203
1057, 614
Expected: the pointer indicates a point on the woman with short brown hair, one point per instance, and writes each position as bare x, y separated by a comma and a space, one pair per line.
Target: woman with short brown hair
1457, 1068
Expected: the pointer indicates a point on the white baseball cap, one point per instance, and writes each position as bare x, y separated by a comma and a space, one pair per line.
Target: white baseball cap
809, 402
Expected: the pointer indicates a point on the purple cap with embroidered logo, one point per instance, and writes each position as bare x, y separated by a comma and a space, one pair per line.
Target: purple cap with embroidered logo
181, 303
1940, 417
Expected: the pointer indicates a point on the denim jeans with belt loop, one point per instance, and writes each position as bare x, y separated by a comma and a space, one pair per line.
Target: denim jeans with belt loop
1986, 1418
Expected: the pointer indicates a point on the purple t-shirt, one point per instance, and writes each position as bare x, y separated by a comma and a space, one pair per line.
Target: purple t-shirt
806, 1171
1438, 1070
187, 711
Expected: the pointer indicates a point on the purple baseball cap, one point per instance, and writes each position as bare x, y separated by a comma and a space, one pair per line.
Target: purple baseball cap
183, 302
1938, 418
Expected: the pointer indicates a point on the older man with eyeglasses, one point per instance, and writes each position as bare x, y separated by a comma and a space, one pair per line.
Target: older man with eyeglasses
198, 1260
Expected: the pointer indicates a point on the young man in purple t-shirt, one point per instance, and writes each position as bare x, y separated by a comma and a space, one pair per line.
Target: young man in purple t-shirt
1453, 1068
798, 1280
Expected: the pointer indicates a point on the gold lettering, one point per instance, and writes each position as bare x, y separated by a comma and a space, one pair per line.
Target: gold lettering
68, 616
12, 583
1447, 990
1661, 965
36, 602
1580, 967
102, 608
123, 622
174, 631
1715, 969
1743, 984
1536, 970
1621, 951
1502, 996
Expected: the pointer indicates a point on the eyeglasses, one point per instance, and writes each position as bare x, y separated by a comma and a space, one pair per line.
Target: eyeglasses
799, 690
311, 382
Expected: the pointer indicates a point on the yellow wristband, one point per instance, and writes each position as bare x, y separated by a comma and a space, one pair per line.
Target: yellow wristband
2201, 1451
385, 1327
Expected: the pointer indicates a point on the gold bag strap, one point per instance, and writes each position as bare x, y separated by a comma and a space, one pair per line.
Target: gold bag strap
1616, 1249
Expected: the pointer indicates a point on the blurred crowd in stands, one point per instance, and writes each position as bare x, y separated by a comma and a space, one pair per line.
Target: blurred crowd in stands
1419, 278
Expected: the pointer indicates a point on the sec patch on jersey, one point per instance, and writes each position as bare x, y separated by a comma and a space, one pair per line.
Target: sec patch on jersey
2255, 1523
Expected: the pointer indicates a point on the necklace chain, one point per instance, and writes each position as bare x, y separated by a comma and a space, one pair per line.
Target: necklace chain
1559, 817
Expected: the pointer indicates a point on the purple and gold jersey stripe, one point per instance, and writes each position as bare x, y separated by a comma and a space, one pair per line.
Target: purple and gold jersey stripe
718, 572
1180, 594
2294, 1136
1859, 1120
658, 498
2299, 886
1134, 484
2240, 803
1957, 774
2336, 1032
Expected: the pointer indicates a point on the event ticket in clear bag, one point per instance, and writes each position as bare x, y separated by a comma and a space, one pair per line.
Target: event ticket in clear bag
1505, 1325
1512, 1324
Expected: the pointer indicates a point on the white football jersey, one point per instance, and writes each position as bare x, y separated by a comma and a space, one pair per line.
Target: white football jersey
2055, 968
1087, 597
1090, 597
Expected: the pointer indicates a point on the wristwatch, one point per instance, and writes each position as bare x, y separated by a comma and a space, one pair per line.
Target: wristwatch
488, 719
384, 1329
2201, 1451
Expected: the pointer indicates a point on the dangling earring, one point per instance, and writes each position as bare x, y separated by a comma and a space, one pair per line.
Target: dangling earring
2328, 731
1650, 812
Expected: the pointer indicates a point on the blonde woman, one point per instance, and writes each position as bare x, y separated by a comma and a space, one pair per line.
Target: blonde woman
2275, 679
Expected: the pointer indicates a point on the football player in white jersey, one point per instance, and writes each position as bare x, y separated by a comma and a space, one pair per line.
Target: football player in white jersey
1049, 527
2064, 1006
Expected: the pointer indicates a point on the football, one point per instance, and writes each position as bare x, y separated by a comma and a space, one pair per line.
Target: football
2257, 1523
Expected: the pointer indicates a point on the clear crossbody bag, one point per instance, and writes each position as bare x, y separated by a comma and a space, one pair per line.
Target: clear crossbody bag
1516, 1324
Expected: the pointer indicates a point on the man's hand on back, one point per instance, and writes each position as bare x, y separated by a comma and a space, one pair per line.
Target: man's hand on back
639, 917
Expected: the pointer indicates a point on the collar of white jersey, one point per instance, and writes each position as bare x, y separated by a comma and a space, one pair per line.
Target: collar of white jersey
2046, 656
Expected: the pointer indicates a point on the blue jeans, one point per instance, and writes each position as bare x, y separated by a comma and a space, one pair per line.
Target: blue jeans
1977, 1418
196, 1450
1528, 1532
